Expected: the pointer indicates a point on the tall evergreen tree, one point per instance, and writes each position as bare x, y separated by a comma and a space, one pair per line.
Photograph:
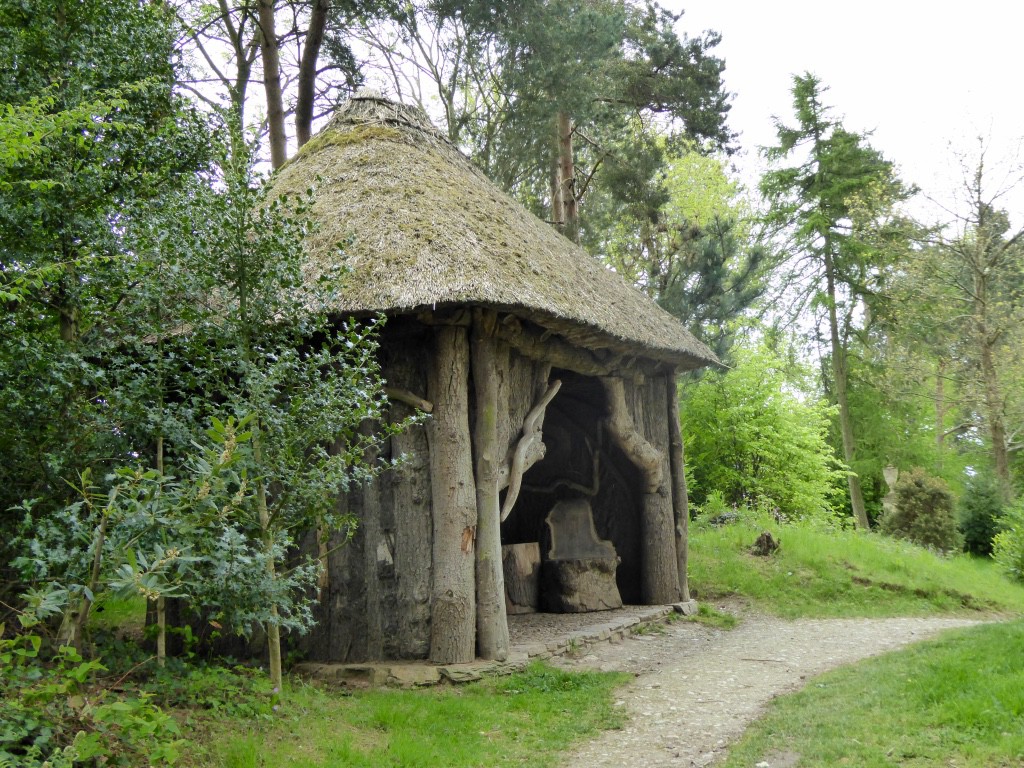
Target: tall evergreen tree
685, 238
832, 203
545, 93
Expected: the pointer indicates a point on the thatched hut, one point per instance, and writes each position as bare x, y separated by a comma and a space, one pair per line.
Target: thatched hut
551, 386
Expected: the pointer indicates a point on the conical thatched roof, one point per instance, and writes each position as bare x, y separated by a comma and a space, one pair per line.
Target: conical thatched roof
424, 228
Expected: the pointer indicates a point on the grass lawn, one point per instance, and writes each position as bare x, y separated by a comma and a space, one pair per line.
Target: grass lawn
956, 701
521, 720
824, 573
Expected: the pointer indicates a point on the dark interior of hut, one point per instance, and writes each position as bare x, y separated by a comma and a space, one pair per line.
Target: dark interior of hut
581, 462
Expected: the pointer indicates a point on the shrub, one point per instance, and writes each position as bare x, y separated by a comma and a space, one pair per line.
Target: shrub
754, 438
979, 512
1008, 544
55, 714
923, 513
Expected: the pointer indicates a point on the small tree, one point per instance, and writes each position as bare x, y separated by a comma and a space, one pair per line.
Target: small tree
1008, 544
980, 508
270, 354
298, 393
751, 437
923, 512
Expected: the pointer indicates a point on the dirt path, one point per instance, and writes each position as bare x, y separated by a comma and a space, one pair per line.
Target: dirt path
698, 688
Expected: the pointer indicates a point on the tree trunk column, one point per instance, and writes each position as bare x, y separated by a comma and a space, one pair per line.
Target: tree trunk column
453, 603
680, 499
659, 568
491, 617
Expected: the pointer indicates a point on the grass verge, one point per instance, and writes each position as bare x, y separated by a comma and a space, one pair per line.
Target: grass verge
520, 720
956, 701
828, 573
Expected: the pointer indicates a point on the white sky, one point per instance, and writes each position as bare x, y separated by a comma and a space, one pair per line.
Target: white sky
920, 75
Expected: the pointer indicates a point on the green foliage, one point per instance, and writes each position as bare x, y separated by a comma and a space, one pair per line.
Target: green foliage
1008, 544
956, 700
92, 132
213, 690
684, 239
753, 439
979, 510
712, 617
923, 512
55, 713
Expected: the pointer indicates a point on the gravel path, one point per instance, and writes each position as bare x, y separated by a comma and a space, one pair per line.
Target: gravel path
698, 688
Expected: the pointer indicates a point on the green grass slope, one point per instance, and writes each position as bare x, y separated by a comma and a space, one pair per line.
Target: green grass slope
822, 572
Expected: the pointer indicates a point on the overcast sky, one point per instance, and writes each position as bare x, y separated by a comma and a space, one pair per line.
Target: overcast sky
920, 75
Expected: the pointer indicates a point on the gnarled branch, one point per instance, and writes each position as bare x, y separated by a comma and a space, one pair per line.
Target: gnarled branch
528, 451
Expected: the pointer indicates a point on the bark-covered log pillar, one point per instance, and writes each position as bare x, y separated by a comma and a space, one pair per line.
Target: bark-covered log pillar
680, 499
453, 603
659, 570
491, 617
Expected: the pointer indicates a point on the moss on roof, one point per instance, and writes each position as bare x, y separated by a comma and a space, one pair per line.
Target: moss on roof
424, 227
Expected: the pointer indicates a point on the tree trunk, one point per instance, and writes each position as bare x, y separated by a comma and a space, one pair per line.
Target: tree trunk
659, 566
839, 373
940, 409
994, 417
555, 182
307, 71
993, 398
491, 618
521, 568
273, 627
453, 604
567, 178
272, 84
161, 602
73, 626
680, 499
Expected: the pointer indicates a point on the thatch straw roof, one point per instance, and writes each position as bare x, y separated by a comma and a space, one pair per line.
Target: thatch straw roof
424, 228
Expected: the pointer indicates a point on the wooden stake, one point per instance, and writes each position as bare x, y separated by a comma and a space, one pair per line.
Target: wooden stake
491, 618
453, 491
680, 499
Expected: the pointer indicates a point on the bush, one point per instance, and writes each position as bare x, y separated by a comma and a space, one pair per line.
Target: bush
979, 512
1008, 544
753, 438
923, 513
55, 714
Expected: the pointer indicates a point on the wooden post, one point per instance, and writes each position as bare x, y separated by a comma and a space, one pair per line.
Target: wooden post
491, 617
680, 499
453, 603
659, 569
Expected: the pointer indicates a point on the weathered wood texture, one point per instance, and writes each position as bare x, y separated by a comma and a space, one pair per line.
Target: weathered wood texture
375, 600
645, 407
453, 597
412, 538
581, 462
680, 498
488, 368
521, 567
660, 521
